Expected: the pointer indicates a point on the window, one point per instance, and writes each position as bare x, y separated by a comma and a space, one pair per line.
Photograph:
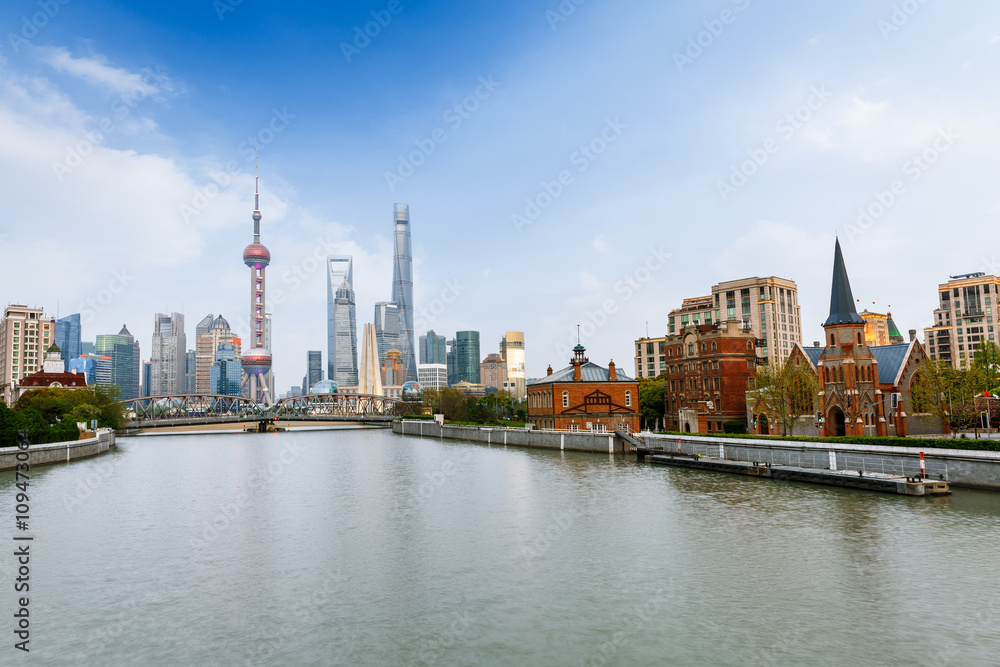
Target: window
690, 350
628, 399
715, 346
565, 399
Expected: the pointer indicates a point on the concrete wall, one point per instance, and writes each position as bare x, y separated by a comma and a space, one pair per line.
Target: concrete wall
516, 437
959, 467
59, 452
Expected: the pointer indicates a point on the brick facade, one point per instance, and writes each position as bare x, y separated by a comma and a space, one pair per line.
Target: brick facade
708, 370
584, 397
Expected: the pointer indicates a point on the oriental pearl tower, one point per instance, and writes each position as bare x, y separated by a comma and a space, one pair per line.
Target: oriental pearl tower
257, 362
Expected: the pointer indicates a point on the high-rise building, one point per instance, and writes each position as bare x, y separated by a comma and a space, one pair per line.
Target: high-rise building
387, 327
147, 379
393, 370
433, 348
88, 347
451, 362
315, 372
880, 330
257, 362
402, 287
126, 363
24, 334
203, 354
769, 307
190, 368
493, 371
97, 368
226, 374
512, 352
218, 333
341, 321
369, 374
467, 357
67, 337
432, 376
345, 345
168, 356
964, 318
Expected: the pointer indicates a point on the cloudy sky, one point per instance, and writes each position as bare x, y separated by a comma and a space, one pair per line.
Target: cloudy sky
584, 162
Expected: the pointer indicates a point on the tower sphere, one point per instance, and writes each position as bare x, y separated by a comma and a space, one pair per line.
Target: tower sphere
256, 256
257, 361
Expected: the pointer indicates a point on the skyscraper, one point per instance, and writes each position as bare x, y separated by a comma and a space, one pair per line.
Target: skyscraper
26, 326
190, 367
168, 356
467, 357
126, 363
433, 349
512, 352
315, 370
67, 337
345, 344
217, 333
225, 375
340, 269
257, 362
402, 288
451, 361
386, 328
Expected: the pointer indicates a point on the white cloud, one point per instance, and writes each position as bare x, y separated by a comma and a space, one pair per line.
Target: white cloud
601, 245
97, 70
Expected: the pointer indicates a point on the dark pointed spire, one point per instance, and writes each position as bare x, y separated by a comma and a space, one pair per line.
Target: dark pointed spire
842, 310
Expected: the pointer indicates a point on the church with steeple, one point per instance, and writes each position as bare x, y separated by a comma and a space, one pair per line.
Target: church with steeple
864, 389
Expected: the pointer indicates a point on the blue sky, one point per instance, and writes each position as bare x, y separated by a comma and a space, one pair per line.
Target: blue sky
137, 225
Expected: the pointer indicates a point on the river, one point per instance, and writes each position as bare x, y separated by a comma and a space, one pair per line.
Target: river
361, 547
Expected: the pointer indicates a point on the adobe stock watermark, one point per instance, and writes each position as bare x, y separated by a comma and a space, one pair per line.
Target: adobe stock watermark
582, 158
121, 109
697, 44
89, 309
454, 117
562, 13
431, 650
363, 35
786, 127
223, 7
914, 169
31, 25
900, 16
627, 287
248, 149
427, 315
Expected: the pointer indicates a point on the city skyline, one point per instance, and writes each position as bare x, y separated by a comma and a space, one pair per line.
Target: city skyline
844, 131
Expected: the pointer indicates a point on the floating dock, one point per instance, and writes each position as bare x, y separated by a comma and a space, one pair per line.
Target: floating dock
852, 479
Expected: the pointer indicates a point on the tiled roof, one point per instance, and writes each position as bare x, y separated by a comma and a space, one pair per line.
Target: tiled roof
890, 358
589, 372
42, 379
813, 353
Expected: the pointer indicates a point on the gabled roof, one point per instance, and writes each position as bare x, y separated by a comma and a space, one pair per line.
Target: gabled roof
890, 360
842, 309
813, 353
589, 372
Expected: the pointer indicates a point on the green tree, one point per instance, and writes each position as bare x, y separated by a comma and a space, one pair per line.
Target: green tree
986, 365
652, 401
784, 392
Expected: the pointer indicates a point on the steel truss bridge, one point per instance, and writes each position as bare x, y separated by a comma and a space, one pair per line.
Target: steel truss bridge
206, 409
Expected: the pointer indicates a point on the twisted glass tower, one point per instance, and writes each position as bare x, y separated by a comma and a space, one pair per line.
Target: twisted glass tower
402, 287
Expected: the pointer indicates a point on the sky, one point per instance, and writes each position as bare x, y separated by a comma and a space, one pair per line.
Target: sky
581, 162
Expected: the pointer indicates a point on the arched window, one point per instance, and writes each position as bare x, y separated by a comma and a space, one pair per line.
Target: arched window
859, 338
628, 399
704, 347
670, 351
831, 340
840, 373
565, 399
749, 344
715, 346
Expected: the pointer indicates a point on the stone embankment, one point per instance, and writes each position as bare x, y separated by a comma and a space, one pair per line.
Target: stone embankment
570, 441
60, 452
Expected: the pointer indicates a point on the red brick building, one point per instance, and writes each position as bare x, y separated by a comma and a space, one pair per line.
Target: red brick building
708, 371
584, 397
51, 375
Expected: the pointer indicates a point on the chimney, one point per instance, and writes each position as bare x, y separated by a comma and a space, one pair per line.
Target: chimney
815, 343
550, 370
913, 335
611, 371
577, 375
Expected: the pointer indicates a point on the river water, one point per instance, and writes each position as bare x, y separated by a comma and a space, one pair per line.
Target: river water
361, 547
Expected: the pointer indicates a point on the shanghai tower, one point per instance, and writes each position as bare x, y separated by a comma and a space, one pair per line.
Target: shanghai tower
402, 287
